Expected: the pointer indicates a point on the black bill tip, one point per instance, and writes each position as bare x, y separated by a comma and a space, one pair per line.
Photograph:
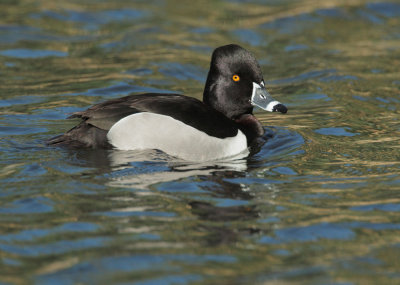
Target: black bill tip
280, 108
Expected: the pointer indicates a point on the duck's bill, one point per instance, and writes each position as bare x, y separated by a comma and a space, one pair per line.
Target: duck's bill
262, 99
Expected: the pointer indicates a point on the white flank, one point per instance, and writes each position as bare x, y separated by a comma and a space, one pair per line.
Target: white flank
154, 131
271, 105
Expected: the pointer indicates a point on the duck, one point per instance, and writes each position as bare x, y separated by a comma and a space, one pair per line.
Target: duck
220, 126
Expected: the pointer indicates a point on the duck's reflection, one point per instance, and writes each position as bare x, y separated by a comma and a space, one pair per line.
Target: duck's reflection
223, 199
216, 219
147, 168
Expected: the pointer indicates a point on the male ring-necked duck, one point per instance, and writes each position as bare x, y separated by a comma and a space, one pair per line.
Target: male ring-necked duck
221, 126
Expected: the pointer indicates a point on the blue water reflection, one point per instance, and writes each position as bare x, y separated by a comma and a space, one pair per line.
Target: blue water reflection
92, 20
292, 25
28, 206
385, 9
309, 233
29, 53
344, 132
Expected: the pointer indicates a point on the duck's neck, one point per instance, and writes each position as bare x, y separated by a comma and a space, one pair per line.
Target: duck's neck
247, 123
250, 126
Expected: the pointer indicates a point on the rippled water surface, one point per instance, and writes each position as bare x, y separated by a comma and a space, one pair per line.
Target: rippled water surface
318, 204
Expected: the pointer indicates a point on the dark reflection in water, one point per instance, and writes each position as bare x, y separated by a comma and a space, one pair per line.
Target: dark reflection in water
226, 201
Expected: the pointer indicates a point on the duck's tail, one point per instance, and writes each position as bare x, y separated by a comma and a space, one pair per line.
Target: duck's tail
82, 136
57, 140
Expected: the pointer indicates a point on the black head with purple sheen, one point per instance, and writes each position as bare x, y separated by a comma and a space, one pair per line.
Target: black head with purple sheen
235, 84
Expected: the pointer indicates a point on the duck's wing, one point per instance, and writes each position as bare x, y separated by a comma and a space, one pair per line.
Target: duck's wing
104, 115
182, 108
96, 122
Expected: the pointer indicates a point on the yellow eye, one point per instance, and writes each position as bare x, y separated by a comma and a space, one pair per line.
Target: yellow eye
236, 78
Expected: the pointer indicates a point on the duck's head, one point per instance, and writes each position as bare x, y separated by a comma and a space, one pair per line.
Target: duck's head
235, 84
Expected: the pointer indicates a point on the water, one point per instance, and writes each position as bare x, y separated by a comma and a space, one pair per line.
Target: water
318, 204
